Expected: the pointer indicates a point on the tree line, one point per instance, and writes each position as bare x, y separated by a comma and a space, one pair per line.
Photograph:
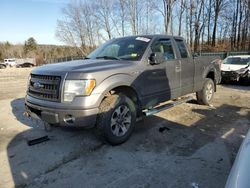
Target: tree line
207, 25
30, 49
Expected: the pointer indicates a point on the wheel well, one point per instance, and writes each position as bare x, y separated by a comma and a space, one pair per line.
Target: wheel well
129, 92
211, 75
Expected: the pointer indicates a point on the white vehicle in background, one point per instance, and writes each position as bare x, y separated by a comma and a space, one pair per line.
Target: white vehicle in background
235, 68
10, 62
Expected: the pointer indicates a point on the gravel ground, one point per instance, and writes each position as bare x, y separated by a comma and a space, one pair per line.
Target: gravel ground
187, 146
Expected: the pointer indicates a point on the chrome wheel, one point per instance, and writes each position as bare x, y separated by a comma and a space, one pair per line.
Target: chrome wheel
121, 120
209, 91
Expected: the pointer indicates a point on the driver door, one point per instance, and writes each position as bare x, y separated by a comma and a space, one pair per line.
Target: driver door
162, 81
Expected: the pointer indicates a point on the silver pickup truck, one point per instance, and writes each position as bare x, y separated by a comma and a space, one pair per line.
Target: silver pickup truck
118, 83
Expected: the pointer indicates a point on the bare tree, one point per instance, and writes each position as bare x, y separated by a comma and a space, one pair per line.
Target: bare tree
147, 14
122, 14
197, 25
71, 29
203, 22
104, 15
209, 10
89, 22
133, 14
168, 6
191, 10
78, 27
182, 5
217, 9
187, 23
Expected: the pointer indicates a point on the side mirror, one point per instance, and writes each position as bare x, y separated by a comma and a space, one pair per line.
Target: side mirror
156, 58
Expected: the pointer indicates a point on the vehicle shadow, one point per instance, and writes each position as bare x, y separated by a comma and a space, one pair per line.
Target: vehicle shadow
154, 135
237, 85
18, 110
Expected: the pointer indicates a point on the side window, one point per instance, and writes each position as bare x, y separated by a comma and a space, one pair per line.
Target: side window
164, 46
182, 48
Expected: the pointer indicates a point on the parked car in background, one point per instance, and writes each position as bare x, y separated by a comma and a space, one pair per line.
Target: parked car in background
3, 66
10, 62
236, 68
26, 64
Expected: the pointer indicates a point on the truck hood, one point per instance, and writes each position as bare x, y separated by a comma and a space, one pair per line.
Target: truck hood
83, 66
227, 67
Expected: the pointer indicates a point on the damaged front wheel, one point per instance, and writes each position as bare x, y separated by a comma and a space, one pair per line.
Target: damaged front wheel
116, 118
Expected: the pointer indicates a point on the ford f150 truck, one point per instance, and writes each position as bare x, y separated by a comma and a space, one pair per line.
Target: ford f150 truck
119, 82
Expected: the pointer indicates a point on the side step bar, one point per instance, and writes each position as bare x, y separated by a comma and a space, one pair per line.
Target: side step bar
166, 106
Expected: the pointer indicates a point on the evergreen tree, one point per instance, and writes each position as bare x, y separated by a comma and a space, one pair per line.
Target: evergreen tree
30, 45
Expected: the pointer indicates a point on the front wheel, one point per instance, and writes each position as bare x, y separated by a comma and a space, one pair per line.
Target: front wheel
116, 118
206, 95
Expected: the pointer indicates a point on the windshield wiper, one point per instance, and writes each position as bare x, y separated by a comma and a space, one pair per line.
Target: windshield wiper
107, 57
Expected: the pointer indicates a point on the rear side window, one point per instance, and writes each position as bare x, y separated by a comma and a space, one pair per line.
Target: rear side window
164, 46
182, 48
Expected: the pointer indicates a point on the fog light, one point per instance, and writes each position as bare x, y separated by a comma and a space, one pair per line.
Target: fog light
69, 119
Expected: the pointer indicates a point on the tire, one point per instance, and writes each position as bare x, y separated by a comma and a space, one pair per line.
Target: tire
116, 118
205, 96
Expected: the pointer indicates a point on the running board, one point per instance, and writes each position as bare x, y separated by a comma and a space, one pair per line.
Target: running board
166, 106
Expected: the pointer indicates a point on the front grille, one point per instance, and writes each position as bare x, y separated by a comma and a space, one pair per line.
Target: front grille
228, 73
45, 87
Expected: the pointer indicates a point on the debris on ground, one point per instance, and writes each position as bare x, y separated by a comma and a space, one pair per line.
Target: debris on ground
220, 160
38, 140
218, 115
211, 106
195, 185
162, 129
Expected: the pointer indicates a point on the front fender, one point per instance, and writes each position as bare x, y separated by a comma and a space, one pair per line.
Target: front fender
112, 82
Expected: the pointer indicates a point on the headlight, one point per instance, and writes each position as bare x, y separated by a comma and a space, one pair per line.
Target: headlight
74, 88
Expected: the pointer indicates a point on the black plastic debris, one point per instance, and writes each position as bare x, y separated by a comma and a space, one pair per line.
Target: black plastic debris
220, 160
38, 140
162, 129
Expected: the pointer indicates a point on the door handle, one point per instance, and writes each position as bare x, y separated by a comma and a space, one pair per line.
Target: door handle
177, 68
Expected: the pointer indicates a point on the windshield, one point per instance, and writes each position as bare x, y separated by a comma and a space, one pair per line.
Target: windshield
237, 60
131, 48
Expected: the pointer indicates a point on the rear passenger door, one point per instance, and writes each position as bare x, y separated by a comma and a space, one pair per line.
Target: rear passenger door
187, 67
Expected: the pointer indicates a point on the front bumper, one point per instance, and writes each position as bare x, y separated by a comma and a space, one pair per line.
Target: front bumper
63, 117
229, 76
235, 76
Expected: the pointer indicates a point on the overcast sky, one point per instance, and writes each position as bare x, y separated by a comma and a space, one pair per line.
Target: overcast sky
21, 19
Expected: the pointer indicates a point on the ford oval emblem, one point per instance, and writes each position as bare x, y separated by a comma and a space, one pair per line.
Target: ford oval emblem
37, 85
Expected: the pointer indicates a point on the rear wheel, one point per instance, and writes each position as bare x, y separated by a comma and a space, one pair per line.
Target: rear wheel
116, 118
206, 95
